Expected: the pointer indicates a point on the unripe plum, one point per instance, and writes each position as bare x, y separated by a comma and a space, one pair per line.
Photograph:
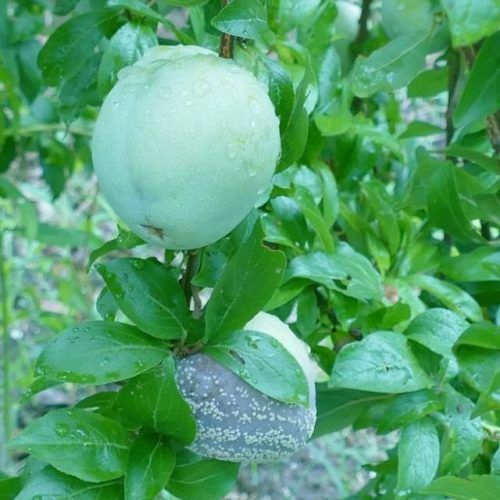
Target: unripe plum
236, 422
184, 144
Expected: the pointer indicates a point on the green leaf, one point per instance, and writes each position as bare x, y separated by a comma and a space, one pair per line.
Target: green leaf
463, 435
153, 401
194, 477
478, 354
446, 202
125, 47
437, 329
184, 3
249, 281
150, 465
71, 44
471, 20
381, 362
407, 408
149, 295
338, 409
314, 216
418, 456
82, 444
420, 129
483, 487
99, 352
489, 400
429, 83
105, 305
474, 156
391, 67
63, 7
331, 203
10, 487
450, 295
480, 96
124, 240
262, 362
280, 88
244, 18
49, 483
344, 270
482, 264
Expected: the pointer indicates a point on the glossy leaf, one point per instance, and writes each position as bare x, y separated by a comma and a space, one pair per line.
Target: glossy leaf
60, 58
471, 20
194, 477
344, 270
390, 67
82, 444
49, 483
437, 329
150, 465
249, 281
262, 362
98, 353
381, 362
480, 96
148, 294
418, 454
153, 401
483, 487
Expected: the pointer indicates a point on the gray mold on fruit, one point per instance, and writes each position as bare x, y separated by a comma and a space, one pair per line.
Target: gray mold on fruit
235, 421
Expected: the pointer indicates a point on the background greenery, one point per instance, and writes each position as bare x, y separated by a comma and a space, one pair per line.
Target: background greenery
385, 204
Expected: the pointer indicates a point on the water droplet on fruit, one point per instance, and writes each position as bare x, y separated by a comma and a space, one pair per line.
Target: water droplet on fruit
231, 150
201, 88
252, 169
166, 92
189, 102
253, 124
254, 106
116, 104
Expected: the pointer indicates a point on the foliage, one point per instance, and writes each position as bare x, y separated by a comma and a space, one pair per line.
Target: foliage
377, 243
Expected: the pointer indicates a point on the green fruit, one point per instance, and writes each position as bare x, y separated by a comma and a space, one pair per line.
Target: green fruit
236, 422
404, 17
346, 26
183, 146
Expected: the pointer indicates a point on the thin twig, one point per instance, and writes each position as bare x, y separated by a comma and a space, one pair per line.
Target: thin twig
226, 46
191, 291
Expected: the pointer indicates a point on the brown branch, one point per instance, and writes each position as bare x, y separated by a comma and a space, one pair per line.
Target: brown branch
363, 26
226, 46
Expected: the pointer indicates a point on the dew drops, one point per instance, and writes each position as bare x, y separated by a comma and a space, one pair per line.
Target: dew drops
75, 329
201, 87
125, 276
166, 92
86, 329
105, 361
253, 124
231, 150
116, 104
74, 340
138, 264
254, 106
62, 429
188, 103
251, 169
139, 364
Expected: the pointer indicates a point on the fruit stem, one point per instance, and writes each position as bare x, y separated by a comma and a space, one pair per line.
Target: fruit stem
6, 404
226, 46
190, 291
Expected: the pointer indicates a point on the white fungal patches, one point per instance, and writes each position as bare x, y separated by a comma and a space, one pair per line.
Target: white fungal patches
235, 421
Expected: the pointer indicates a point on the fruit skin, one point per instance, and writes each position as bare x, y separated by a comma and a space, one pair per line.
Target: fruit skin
184, 144
404, 17
347, 26
236, 422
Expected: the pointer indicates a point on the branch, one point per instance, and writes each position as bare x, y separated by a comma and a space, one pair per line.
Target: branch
190, 291
363, 26
226, 46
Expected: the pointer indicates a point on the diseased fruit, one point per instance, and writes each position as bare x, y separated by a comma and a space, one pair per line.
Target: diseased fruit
404, 17
184, 144
236, 422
